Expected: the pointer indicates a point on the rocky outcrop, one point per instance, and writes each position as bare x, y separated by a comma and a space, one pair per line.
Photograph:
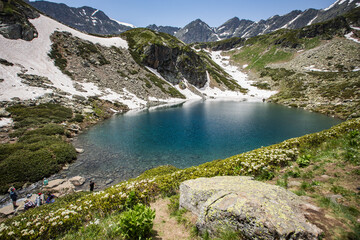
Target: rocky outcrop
255, 209
173, 59
14, 23
175, 64
62, 187
112, 68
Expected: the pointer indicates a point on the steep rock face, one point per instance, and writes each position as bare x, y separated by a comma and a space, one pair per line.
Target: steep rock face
165, 29
339, 7
175, 64
85, 19
14, 23
196, 31
255, 209
233, 27
169, 56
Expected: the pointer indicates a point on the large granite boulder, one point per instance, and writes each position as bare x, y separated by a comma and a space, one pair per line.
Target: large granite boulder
256, 209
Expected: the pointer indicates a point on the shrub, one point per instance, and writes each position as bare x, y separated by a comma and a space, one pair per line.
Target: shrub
35, 115
137, 223
48, 129
294, 174
304, 160
78, 118
64, 152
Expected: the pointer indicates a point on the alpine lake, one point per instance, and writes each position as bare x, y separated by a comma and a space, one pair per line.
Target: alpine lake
185, 135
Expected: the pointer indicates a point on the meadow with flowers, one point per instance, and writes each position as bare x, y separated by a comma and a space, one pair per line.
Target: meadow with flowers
83, 210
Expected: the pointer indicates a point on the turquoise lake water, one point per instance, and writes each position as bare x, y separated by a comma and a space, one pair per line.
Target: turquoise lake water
187, 135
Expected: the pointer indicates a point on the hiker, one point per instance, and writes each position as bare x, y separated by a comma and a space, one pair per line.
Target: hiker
28, 204
13, 197
45, 182
50, 198
92, 185
38, 200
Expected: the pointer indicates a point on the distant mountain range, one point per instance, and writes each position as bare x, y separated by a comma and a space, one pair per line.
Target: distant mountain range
95, 21
86, 19
199, 31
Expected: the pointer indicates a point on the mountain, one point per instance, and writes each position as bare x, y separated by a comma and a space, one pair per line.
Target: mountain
139, 68
316, 67
165, 29
85, 19
198, 31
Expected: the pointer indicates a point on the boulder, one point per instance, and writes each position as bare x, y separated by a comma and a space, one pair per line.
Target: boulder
54, 183
79, 150
256, 209
63, 189
4, 113
77, 181
60, 187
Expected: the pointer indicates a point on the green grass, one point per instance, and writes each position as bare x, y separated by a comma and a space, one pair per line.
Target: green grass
260, 54
329, 157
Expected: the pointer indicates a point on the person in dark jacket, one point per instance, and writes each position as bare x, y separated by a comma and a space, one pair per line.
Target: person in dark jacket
13, 197
92, 185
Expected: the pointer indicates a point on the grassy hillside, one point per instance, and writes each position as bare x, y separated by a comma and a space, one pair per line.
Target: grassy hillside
312, 67
80, 212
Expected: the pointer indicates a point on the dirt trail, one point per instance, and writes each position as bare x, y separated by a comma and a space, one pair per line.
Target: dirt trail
166, 227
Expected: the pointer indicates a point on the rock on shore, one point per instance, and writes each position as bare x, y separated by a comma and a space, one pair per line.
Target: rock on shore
257, 210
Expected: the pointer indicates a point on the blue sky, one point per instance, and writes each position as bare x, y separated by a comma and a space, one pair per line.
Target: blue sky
181, 12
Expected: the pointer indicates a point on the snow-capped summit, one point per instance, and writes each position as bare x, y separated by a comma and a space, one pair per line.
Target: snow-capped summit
244, 28
85, 18
197, 31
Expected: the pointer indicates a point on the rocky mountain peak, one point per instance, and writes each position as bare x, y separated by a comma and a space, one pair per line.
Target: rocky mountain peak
196, 31
236, 27
165, 29
85, 18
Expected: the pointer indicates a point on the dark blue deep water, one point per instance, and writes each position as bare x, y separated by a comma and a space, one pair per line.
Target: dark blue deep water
187, 135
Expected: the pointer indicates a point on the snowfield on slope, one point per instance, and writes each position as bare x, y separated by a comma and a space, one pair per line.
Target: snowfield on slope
254, 94
31, 57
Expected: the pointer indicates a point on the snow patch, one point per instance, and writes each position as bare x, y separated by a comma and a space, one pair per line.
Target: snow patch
5, 122
313, 69
350, 37
221, 28
94, 12
332, 5
289, 23
312, 20
31, 57
254, 94
123, 23
355, 28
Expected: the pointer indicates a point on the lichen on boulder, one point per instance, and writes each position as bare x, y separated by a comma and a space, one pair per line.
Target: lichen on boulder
256, 209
